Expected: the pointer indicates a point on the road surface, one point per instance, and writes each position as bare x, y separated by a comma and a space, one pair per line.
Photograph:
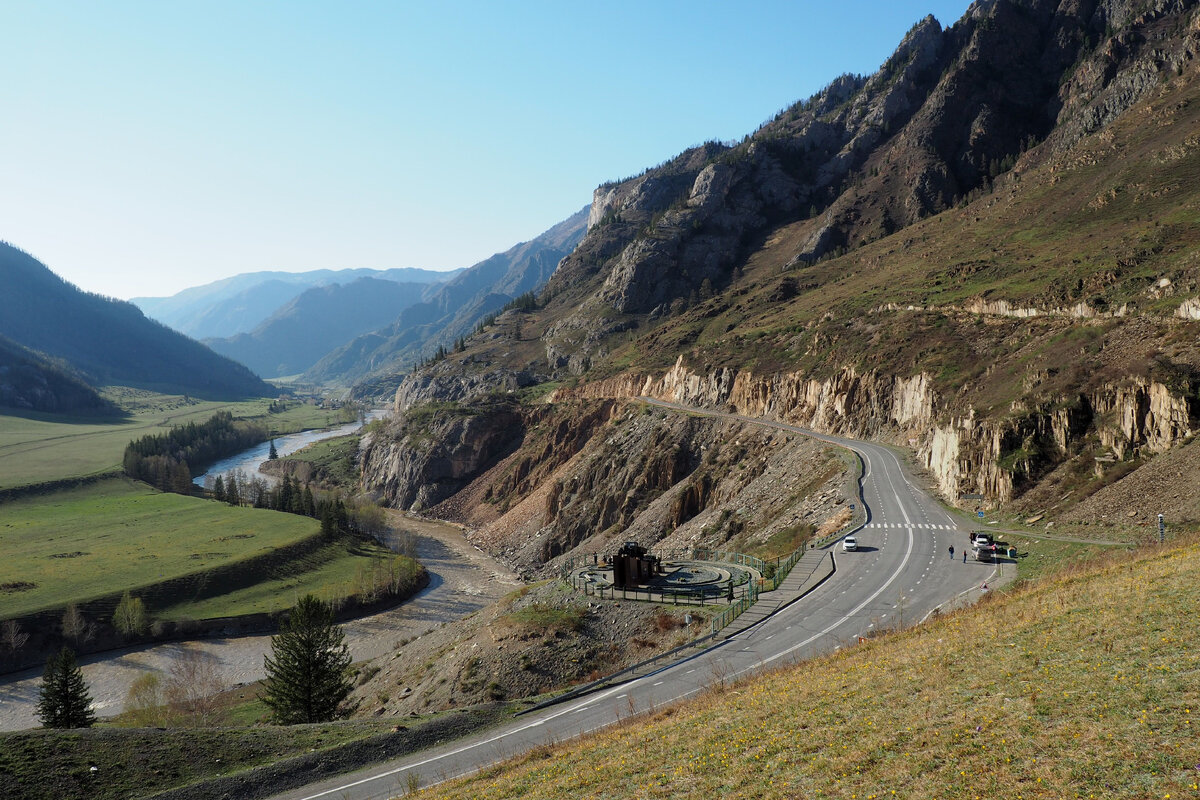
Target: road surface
901, 574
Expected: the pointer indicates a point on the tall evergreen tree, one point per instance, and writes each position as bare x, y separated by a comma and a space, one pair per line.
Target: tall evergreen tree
329, 529
64, 701
286, 494
273, 454
233, 493
308, 667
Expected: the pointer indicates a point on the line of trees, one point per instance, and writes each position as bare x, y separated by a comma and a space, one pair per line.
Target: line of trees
288, 496
164, 460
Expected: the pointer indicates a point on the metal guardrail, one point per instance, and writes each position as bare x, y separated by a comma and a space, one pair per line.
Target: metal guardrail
686, 597
736, 609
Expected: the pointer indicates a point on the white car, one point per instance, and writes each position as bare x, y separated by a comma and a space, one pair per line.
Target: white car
849, 544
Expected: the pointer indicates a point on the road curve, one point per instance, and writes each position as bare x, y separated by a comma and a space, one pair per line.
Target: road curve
902, 574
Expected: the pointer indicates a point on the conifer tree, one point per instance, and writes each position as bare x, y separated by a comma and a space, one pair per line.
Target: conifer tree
308, 667
64, 701
286, 490
233, 494
328, 525
273, 454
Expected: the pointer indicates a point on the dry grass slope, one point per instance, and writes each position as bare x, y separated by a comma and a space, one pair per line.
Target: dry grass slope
1081, 686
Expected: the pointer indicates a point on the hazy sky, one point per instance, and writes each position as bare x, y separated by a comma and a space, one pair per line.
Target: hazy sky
147, 147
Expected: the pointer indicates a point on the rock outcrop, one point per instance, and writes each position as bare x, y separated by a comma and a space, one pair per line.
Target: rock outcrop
965, 454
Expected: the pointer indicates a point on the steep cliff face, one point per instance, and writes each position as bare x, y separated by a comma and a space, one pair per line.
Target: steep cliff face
535, 484
995, 457
948, 115
418, 460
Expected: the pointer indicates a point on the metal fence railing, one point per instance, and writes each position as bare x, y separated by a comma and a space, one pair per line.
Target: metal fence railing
736, 609
699, 596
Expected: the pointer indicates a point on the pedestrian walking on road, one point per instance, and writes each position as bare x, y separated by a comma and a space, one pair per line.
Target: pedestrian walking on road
952, 551
964, 556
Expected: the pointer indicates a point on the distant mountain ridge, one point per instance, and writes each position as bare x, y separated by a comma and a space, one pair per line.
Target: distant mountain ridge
110, 342
241, 303
317, 321
454, 308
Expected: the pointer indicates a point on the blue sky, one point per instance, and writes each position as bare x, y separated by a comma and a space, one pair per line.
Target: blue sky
150, 146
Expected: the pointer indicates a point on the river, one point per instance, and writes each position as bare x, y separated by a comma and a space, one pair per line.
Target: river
462, 581
249, 461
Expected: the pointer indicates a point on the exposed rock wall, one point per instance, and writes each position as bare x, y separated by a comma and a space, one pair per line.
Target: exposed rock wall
417, 462
996, 457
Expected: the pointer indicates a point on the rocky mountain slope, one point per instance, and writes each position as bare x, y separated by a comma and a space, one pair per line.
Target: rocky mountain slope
986, 253
110, 341
537, 484
452, 311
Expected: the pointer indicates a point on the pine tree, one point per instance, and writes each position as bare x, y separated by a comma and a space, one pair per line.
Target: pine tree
328, 525
64, 701
233, 494
284, 498
308, 668
273, 454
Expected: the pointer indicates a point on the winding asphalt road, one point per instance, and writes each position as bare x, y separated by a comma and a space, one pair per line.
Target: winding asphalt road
902, 573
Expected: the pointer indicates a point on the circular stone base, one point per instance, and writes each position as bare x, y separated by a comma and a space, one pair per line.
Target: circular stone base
707, 577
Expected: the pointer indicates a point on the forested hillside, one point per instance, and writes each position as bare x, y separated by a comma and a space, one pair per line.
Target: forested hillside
109, 341
30, 382
241, 303
453, 310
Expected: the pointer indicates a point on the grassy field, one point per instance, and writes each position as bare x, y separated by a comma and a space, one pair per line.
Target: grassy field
336, 571
331, 462
1083, 685
36, 448
117, 534
136, 762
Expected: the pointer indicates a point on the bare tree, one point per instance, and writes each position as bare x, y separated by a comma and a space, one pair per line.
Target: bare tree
11, 636
130, 616
75, 626
192, 686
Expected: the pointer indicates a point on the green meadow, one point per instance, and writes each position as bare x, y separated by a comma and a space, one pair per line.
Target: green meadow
76, 545
38, 448
334, 572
